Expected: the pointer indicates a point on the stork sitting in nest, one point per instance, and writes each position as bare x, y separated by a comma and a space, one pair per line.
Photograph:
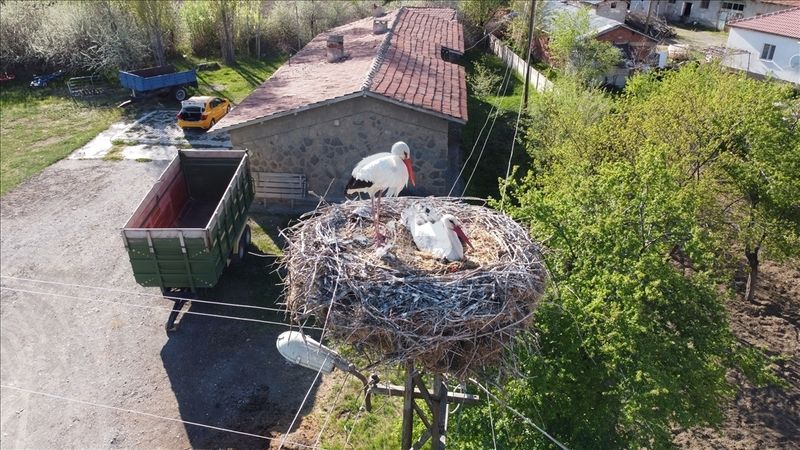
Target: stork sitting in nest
440, 236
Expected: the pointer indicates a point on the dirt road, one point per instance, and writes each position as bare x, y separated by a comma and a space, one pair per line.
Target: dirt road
63, 226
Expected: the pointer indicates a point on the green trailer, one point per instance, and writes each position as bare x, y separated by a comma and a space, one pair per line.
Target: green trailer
191, 225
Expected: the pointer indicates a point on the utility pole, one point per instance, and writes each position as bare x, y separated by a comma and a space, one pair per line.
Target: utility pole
528, 58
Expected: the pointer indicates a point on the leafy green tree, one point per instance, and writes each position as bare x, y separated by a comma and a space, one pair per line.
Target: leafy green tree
735, 137
632, 338
478, 12
575, 50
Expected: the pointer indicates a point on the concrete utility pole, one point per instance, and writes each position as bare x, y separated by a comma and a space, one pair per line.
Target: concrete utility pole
528, 58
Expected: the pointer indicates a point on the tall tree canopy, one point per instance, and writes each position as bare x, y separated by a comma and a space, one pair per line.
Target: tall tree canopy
635, 199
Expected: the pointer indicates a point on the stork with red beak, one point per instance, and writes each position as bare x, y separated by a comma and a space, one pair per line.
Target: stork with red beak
382, 175
442, 237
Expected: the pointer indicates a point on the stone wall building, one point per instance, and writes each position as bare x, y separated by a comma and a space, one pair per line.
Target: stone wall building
354, 91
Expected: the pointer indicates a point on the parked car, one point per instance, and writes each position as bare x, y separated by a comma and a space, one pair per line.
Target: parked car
202, 112
42, 80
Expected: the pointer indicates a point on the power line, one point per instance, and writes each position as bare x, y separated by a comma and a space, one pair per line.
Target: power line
245, 319
155, 416
145, 294
332, 408
480, 133
519, 415
303, 403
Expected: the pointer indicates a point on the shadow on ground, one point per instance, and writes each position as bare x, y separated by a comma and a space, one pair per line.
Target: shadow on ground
228, 373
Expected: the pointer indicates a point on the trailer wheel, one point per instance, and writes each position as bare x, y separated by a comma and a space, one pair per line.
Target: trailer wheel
244, 243
180, 94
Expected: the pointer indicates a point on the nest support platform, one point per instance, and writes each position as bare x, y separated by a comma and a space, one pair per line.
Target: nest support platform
399, 304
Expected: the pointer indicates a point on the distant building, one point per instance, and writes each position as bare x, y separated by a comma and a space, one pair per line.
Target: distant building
638, 49
353, 91
612, 9
767, 45
709, 13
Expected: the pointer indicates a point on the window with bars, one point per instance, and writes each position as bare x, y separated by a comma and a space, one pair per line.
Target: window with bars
768, 52
732, 6
704, 4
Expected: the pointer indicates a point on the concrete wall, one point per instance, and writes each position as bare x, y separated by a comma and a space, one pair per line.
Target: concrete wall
612, 9
752, 43
325, 143
712, 16
511, 59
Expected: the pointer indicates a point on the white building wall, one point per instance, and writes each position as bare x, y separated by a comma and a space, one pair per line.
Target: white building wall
753, 42
713, 16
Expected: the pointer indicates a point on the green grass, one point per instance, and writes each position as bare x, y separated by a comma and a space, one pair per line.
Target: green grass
233, 82
39, 128
493, 163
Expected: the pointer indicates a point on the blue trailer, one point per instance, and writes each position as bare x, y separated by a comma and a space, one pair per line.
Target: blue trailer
158, 80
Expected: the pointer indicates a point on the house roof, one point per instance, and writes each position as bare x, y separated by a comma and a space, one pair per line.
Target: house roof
402, 66
781, 23
598, 24
783, 2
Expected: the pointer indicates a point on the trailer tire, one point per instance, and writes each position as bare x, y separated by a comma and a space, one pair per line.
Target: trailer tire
180, 94
244, 243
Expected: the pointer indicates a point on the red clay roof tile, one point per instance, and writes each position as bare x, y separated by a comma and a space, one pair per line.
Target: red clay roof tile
403, 64
781, 23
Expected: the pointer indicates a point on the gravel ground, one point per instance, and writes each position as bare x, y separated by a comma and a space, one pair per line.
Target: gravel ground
63, 225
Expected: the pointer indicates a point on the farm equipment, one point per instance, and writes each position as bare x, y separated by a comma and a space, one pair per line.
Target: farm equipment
191, 225
84, 87
159, 80
40, 81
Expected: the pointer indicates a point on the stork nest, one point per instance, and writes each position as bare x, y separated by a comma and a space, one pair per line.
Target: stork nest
398, 303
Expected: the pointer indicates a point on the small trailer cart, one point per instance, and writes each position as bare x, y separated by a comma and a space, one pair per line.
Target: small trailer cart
158, 80
191, 225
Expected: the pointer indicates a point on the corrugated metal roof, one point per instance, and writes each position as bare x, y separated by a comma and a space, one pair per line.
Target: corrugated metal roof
781, 23
402, 65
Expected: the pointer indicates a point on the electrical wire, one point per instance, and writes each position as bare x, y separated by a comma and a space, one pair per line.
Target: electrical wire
154, 416
480, 133
305, 399
245, 319
332, 409
144, 294
355, 420
519, 415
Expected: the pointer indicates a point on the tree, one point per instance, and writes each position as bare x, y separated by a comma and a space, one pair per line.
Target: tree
632, 338
737, 139
157, 18
575, 50
226, 15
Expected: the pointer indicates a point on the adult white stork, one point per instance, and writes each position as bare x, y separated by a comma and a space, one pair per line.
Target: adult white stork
442, 237
382, 175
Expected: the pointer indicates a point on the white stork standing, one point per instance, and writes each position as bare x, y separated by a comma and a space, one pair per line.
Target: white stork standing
442, 237
382, 174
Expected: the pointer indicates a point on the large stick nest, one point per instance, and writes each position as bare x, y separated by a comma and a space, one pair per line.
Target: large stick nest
401, 303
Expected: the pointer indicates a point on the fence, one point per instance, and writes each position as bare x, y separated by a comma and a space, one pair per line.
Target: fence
511, 59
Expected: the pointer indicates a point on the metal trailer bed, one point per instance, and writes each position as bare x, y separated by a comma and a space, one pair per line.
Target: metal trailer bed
191, 225
159, 79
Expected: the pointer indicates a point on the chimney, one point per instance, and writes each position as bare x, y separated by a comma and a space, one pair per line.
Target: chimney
377, 11
380, 26
335, 48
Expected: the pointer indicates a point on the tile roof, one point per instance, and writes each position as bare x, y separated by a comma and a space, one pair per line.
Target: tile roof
402, 65
781, 23
783, 2
413, 70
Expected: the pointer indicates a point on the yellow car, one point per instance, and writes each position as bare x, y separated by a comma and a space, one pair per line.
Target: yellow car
202, 112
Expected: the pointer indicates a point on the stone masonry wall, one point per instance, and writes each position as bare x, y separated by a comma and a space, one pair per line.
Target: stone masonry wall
325, 143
